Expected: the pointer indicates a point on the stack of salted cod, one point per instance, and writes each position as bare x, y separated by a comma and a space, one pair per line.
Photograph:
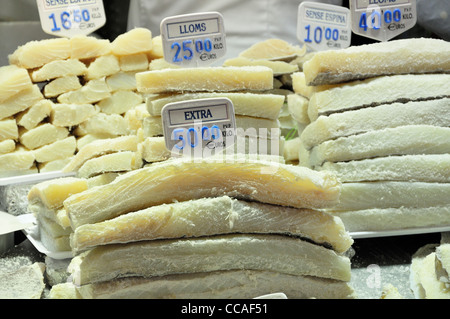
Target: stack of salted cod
221, 227
57, 95
248, 85
285, 60
380, 120
430, 269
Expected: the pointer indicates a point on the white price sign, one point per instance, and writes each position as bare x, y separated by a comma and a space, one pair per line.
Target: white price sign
199, 128
192, 40
323, 26
67, 18
382, 20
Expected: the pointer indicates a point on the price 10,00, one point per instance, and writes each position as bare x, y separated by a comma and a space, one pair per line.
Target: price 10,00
319, 33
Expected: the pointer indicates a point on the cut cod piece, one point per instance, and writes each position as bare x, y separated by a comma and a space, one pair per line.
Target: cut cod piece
7, 146
366, 195
103, 66
27, 282
205, 79
52, 193
35, 54
213, 216
58, 150
93, 91
13, 80
87, 47
278, 67
120, 102
15, 162
259, 180
403, 140
413, 168
443, 264
206, 254
395, 88
122, 81
101, 147
432, 112
8, 129
218, 285
21, 102
57, 69
115, 162
404, 56
137, 40
62, 85
102, 123
30, 118
43, 134
71, 114
273, 49
386, 219
250, 104
423, 280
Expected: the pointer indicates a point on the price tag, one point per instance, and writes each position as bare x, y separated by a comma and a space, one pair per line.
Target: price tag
382, 20
199, 128
192, 40
67, 18
323, 26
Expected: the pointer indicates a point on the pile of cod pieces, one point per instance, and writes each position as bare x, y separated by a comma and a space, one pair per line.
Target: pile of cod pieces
59, 95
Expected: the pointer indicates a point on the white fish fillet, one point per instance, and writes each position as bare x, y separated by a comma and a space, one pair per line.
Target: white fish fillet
412, 168
21, 102
404, 56
136, 40
185, 179
205, 79
230, 252
402, 140
35, 54
57, 69
394, 219
395, 88
61, 85
432, 112
219, 285
101, 147
210, 216
13, 80
366, 195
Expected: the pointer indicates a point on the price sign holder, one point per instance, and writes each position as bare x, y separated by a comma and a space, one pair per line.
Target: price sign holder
382, 20
67, 18
192, 40
323, 26
199, 128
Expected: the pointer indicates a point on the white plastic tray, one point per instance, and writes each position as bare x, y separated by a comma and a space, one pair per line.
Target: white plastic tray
32, 233
33, 178
400, 232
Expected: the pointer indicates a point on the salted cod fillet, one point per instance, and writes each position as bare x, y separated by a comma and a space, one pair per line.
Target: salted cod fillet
395, 88
404, 56
402, 140
213, 216
219, 285
185, 179
366, 195
205, 254
388, 219
433, 112
205, 79
413, 168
